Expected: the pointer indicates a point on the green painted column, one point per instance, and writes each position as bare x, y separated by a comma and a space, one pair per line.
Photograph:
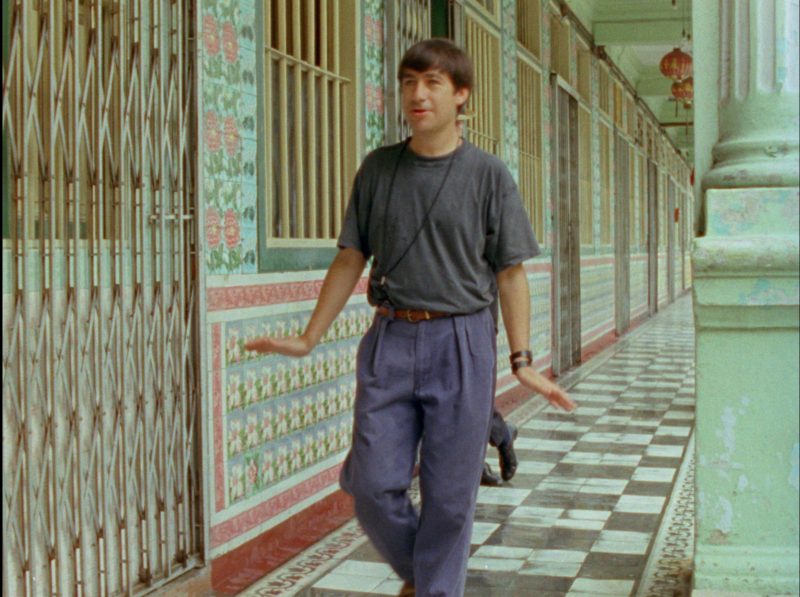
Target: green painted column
747, 312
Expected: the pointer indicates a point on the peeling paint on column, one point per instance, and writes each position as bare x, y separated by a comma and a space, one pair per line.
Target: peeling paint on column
743, 483
728, 435
725, 524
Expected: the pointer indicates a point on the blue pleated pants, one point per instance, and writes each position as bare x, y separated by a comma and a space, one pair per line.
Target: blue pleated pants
422, 387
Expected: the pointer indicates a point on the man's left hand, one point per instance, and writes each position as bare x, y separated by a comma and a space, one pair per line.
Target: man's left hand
537, 382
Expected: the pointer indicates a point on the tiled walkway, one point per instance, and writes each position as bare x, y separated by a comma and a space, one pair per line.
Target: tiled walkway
583, 512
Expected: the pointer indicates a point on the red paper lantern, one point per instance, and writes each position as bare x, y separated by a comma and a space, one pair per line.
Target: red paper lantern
683, 91
676, 65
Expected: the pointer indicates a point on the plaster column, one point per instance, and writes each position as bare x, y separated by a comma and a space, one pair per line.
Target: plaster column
747, 313
758, 94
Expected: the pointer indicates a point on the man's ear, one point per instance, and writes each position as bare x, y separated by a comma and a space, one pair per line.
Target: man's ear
462, 95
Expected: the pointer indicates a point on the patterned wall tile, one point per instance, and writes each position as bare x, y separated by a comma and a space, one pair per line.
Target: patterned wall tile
597, 296
638, 283
281, 415
228, 47
509, 82
373, 74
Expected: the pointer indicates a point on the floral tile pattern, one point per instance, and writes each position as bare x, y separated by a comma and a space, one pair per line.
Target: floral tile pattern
373, 73
228, 135
282, 415
509, 82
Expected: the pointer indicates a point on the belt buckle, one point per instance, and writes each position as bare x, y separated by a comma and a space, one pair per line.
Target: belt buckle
412, 318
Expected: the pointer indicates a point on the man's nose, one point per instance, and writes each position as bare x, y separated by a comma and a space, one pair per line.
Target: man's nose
419, 91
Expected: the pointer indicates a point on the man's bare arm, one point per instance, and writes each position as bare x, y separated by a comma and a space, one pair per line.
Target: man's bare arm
342, 277
515, 302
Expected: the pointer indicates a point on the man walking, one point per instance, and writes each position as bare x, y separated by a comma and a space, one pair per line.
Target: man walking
445, 227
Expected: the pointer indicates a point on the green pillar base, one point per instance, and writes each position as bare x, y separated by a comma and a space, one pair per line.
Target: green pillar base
747, 315
745, 569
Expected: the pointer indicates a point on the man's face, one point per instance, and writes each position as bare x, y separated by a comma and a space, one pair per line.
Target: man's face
430, 100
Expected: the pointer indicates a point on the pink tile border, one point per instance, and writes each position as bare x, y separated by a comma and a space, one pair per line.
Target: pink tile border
238, 297
230, 529
592, 261
219, 465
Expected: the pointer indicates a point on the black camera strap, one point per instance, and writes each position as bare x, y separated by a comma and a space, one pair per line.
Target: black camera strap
384, 274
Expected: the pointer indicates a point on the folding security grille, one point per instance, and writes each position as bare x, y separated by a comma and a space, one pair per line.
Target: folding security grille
101, 395
407, 22
483, 44
310, 116
529, 92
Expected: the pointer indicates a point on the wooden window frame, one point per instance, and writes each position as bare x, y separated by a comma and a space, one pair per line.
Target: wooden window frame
316, 250
606, 188
490, 14
585, 177
529, 26
604, 90
585, 63
484, 129
535, 201
560, 47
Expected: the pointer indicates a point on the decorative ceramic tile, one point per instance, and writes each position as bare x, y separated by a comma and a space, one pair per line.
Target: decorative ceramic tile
373, 73
510, 142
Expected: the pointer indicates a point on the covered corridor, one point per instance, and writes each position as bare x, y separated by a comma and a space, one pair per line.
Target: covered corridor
174, 176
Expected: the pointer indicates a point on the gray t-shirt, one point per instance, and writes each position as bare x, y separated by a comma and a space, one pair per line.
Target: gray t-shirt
476, 228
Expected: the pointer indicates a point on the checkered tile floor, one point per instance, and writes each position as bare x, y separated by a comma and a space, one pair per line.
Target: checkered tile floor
581, 514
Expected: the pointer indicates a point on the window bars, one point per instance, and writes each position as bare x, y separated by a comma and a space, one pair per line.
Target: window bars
309, 117
483, 44
407, 22
606, 213
529, 26
529, 92
585, 175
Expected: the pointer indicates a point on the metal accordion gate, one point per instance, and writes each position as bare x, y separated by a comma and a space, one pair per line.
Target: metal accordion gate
101, 388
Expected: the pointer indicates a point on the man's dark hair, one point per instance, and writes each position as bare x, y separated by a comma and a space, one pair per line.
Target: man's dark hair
442, 54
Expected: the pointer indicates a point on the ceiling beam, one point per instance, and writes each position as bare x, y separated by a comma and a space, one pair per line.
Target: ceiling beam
626, 60
638, 33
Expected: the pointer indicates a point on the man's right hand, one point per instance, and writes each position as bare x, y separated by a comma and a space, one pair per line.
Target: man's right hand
341, 279
293, 346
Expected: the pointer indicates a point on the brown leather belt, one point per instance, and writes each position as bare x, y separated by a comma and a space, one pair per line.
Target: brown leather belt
411, 315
